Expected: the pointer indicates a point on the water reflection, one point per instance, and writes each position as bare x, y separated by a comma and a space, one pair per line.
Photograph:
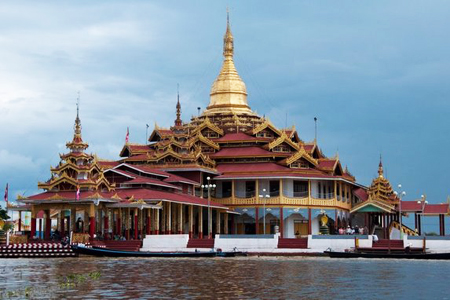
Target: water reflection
244, 278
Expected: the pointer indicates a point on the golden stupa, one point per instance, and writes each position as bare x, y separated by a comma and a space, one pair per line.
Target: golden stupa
228, 92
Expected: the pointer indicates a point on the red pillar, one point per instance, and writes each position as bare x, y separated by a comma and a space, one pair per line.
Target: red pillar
119, 226
106, 225
415, 221
149, 223
92, 227
62, 227
20, 221
419, 221
309, 221
135, 225
48, 225
257, 220
281, 223
33, 227
40, 228
336, 221
233, 231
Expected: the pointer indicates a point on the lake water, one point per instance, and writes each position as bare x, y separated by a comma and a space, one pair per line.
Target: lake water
224, 278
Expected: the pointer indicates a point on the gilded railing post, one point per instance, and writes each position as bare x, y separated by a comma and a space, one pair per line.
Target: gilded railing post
309, 191
257, 191
233, 201
281, 188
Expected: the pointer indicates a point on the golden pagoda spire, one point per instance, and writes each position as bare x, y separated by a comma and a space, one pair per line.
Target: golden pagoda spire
178, 121
380, 169
228, 92
77, 144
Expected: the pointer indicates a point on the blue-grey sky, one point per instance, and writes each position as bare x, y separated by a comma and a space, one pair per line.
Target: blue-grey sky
374, 73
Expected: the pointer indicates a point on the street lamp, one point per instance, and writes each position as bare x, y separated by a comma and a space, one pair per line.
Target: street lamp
209, 187
423, 201
400, 195
264, 207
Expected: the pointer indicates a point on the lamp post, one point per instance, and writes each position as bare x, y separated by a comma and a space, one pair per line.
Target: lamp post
423, 201
400, 195
209, 187
264, 208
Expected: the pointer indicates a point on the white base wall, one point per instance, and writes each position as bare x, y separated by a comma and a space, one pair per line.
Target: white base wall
336, 244
247, 244
170, 242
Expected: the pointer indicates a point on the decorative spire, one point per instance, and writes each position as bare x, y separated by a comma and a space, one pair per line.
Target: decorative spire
178, 121
228, 46
228, 92
380, 169
77, 144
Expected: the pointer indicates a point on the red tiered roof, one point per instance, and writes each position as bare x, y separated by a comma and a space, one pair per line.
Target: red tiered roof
436, 209
245, 152
411, 206
239, 137
361, 194
250, 167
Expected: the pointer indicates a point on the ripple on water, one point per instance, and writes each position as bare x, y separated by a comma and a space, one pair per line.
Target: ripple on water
245, 278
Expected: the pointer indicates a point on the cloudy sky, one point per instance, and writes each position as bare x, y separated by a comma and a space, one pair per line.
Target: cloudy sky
374, 73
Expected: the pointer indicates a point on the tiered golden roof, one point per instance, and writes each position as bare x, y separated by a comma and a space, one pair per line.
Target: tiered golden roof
76, 168
381, 188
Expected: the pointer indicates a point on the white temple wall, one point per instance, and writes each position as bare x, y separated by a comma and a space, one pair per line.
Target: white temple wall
288, 187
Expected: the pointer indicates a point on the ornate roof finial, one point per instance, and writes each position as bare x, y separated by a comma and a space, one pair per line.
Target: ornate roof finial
77, 143
228, 47
178, 121
380, 168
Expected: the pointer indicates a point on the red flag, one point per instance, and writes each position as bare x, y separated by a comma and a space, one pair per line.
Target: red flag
78, 192
127, 136
6, 194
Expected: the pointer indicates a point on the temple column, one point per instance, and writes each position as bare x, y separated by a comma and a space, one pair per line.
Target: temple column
191, 220
256, 220
233, 229
415, 221
48, 224
281, 223
127, 223
91, 220
169, 218
200, 222
419, 221
136, 225
163, 218
233, 191
119, 222
281, 188
225, 223
442, 224
149, 221
73, 217
180, 218
62, 219
309, 221
217, 221
20, 220
106, 224
157, 221
309, 191
41, 229
33, 222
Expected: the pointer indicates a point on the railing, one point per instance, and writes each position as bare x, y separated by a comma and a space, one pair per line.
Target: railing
323, 195
283, 200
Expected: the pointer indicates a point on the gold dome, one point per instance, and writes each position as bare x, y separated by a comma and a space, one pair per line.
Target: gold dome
228, 92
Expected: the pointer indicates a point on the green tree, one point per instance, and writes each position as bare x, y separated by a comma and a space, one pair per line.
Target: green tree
3, 214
